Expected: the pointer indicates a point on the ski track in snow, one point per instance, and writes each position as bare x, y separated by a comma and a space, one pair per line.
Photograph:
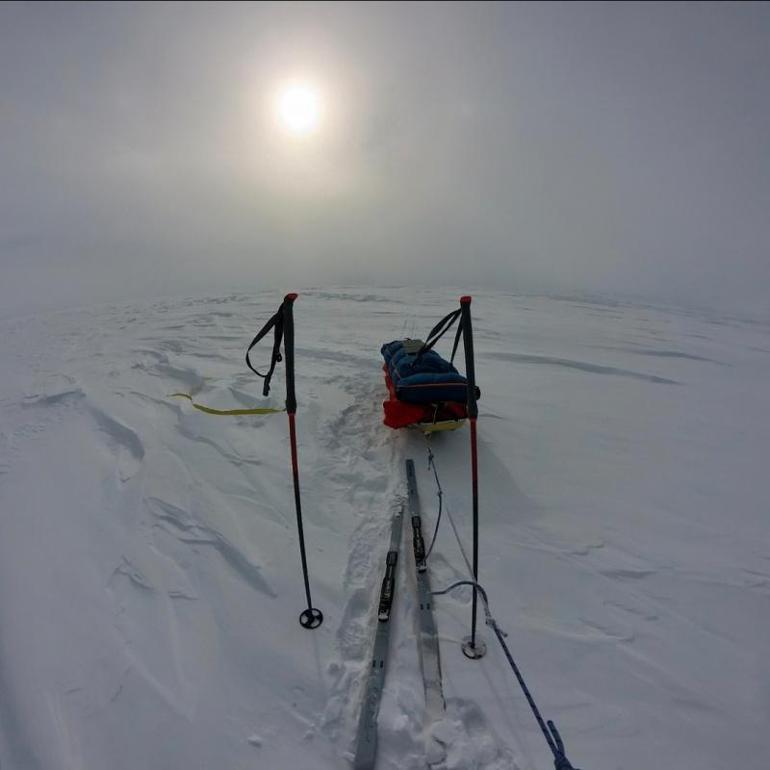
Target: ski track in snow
149, 576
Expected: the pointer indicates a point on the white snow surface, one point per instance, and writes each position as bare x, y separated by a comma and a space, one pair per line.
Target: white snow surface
149, 571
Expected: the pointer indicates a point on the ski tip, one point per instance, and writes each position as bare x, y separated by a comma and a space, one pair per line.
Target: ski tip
291, 296
465, 299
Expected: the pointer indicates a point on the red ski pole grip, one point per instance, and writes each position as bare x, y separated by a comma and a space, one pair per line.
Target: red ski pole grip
291, 296
465, 300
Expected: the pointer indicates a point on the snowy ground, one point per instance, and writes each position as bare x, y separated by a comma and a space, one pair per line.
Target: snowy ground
149, 573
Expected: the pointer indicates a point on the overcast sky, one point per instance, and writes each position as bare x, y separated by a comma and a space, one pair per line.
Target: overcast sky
545, 147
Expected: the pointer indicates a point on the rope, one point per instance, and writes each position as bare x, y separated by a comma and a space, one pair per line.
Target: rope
225, 412
440, 495
548, 728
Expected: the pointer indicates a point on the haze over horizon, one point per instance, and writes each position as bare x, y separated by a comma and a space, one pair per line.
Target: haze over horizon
557, 147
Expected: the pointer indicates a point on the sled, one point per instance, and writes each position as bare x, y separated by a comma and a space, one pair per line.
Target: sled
425, 391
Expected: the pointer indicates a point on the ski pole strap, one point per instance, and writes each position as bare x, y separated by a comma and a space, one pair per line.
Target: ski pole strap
439, 330
457, 340
276, 323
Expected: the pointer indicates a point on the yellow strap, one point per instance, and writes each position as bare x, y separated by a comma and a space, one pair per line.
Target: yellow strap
225, 412
433, 427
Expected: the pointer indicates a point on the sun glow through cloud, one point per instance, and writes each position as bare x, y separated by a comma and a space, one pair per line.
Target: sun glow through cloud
299, 109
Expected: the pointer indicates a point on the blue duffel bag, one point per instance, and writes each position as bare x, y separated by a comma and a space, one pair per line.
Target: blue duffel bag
422, 378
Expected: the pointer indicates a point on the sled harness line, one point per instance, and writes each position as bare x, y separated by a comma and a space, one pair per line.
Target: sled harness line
548, 728
440, 495
225, 412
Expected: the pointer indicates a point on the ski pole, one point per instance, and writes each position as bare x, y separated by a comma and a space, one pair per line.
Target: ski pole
470, 647
311, 617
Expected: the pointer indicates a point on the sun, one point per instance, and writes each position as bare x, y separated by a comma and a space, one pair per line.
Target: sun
299, 109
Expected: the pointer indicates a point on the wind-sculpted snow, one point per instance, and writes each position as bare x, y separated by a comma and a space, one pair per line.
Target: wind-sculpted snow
669, 354
149, 572
53, 398
124, 440
581, 366
178, 523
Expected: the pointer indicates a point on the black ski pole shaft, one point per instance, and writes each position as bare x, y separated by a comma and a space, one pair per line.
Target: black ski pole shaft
470, 374
310, 617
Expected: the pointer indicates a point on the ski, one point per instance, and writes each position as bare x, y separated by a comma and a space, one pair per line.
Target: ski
366, 740
430, 659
